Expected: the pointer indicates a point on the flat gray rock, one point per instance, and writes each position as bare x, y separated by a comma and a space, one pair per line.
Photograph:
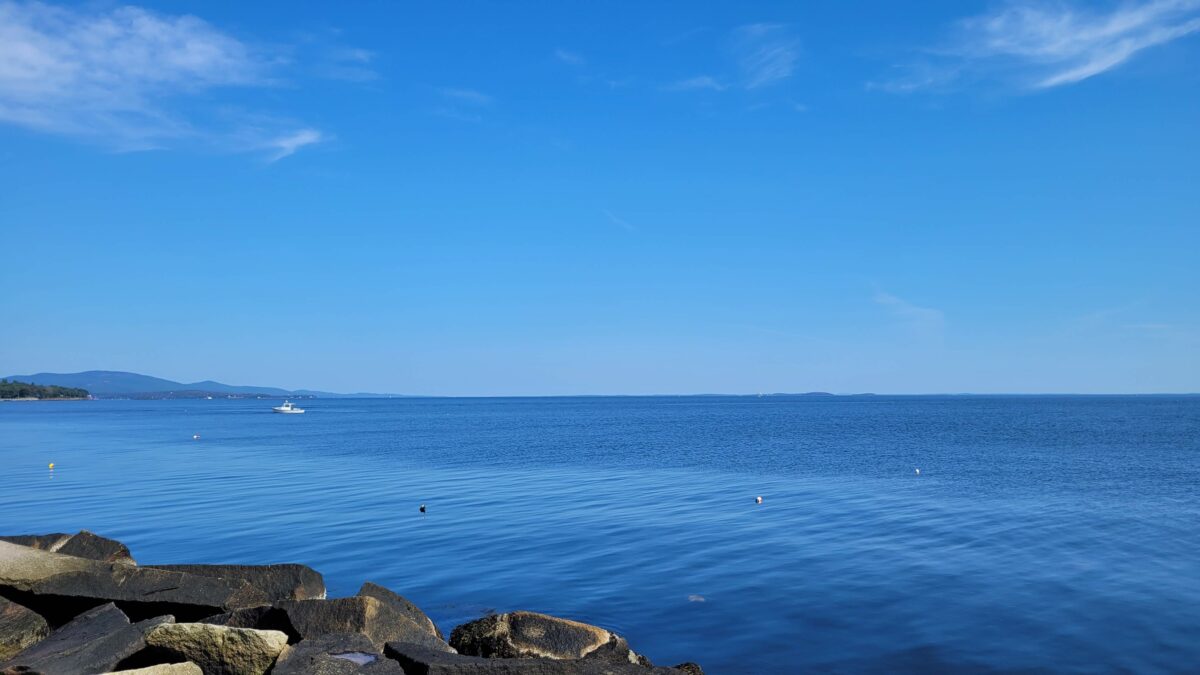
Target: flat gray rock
95, 641
378, 621
60, 586
20, 627
400, 604
335, 654
278, 582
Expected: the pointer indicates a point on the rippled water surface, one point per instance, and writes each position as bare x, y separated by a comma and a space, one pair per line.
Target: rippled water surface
1042, 534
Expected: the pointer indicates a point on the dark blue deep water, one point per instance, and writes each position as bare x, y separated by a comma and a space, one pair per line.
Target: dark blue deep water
1043, 533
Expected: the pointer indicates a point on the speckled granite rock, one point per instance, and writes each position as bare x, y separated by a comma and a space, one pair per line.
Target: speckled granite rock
20, 627
220, 650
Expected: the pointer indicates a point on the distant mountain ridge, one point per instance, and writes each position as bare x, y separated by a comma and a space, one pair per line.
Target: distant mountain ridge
118, 384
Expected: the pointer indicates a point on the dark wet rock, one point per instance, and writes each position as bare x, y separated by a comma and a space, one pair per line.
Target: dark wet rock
335, 654
532, 635
42, 542
418, 660
20, 627
185, 668
219, 650
83, 544
95, 641
263, 617
379, 621
59, 587
278, 582
400, 604
690, 668
94, 547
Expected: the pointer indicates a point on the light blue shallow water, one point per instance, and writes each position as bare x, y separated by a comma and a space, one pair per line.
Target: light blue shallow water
1043, 534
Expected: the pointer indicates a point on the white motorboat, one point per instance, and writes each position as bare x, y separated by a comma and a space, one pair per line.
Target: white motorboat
287, 407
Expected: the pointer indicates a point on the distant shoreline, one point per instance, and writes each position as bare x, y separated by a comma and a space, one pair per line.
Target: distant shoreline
31, 398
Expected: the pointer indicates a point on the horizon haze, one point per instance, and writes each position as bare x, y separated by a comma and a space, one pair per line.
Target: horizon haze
457, 199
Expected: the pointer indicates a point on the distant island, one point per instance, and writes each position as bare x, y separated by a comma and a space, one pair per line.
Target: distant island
10, 390
119, 384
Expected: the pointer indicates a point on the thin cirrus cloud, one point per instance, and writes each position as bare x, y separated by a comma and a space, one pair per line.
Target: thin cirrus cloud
462, 105
924, 321
763, 54
568, 57
466, 96
766, 53
120, 77
696, 83
618, 221
1038, 46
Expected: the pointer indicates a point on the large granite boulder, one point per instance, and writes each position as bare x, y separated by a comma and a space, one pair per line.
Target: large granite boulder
94, 642
185, 668
531, 635
60, 586
278, 582
400, 604
20, 627
418, 660
335, 654
263, 617
83, 544
219, 650
378, 621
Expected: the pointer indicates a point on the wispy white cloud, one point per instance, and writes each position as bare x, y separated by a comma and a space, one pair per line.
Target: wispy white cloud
350, 64
924, 321
286, 145
115, 77
696, 83
1040, 46
761, 54
766, 53
568, 57
619, 222
467, 96
462, 105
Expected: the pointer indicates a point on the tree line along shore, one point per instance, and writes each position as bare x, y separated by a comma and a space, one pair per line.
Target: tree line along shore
27, 391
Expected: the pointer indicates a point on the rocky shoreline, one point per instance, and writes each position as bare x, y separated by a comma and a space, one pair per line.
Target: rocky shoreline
80, 604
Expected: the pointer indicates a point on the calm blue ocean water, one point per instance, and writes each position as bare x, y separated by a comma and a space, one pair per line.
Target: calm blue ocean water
1043, 533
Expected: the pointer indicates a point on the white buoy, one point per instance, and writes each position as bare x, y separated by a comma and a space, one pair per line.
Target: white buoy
195, 437
918, 472
758, 500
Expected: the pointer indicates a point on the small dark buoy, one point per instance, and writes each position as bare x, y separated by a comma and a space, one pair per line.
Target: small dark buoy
422, 508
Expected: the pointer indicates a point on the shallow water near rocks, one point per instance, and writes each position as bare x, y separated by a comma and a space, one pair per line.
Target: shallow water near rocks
1042, 533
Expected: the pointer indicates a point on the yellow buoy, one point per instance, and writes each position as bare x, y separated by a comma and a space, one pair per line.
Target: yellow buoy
51, 465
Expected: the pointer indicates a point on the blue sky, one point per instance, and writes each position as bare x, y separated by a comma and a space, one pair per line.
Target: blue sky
560, 198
